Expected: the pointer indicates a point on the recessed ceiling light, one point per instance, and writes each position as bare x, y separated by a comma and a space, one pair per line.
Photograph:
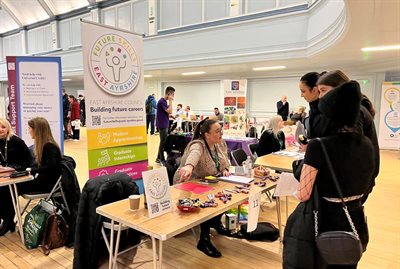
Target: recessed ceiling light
66, 79
148, 76
265, 68
193, 73
381, 48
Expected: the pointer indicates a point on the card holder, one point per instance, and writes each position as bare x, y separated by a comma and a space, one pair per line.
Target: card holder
19, 174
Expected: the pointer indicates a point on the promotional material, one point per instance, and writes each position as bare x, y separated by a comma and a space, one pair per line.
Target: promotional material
389, 123
254, 211
158, 194
234, 107
34, 90
114, 94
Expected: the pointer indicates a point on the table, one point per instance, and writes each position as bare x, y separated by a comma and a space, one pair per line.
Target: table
170, 224
12, 184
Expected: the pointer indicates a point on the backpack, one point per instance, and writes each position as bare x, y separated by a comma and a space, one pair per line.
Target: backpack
265, 231
149, 107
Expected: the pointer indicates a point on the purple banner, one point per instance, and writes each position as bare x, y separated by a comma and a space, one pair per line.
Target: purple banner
134, 170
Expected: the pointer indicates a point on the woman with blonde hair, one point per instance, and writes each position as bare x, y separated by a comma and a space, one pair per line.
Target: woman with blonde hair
48, 158
272, 139
13, 153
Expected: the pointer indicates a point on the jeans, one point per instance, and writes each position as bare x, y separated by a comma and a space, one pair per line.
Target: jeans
163, 139
150, 120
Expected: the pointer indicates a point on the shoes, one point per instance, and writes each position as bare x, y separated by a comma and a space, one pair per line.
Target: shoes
208, 248
7, 225
222, 230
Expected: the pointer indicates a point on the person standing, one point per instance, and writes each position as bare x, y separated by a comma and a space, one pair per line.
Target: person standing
83, 107
150, 113
66, 114
283, 107
164, 109
75, 117
219, 115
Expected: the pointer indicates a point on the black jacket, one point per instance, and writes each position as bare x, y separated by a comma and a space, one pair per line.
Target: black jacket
17, 156
96, 192
283, 109
269, 143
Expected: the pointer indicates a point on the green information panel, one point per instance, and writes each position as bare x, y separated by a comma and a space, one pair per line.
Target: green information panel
99, 158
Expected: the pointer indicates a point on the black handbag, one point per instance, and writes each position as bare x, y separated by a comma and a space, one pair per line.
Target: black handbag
338, 247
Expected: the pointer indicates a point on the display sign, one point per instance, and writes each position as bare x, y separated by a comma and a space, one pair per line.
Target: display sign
114, 95
254, 211
157, 190
234, 107
35, 91
389, 124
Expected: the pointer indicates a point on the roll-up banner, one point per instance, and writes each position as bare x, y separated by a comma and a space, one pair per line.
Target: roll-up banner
114, 87
389, 124
34, 90
234, 107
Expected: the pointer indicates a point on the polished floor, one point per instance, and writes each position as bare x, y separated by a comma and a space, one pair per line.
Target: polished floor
382, 208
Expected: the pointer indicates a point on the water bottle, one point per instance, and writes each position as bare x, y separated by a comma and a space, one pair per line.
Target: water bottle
249, 163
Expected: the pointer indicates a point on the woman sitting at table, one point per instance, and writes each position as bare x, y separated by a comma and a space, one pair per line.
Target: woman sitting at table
48, 157
13, 153
205, 155
272, 139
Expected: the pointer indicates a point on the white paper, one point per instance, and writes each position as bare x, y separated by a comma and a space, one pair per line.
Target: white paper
287, 185
237, 179
254, 210
157, 190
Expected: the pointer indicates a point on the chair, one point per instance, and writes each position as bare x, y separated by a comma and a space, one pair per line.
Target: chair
239, 156
57, 191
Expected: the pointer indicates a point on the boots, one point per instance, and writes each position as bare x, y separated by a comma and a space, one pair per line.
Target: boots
221, 229
6, 225
207, 247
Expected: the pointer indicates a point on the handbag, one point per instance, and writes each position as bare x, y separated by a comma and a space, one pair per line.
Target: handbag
55, 234
265, 231
338, 247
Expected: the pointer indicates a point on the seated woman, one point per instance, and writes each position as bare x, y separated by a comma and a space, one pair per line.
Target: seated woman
299, 114
48, 157
13, 153
205, 155
272, 139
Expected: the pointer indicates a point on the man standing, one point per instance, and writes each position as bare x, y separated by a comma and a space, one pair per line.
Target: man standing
150, 113
66, 114
83, 111
283, 107
164, 108
219, 115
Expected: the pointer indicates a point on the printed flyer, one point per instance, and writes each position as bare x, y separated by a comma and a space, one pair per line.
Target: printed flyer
234, 107
113, 68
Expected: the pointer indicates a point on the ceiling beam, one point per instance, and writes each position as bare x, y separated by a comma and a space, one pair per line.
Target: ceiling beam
47, 8
6, 7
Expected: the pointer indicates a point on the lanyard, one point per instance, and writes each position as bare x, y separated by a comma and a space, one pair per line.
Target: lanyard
216, 159
5, 153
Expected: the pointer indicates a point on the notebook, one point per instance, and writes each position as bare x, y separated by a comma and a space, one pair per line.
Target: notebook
237, 179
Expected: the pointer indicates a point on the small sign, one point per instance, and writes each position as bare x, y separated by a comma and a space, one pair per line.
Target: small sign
254, 211
157, 190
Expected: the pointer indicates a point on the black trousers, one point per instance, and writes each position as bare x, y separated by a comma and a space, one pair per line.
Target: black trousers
163, 139
150, 119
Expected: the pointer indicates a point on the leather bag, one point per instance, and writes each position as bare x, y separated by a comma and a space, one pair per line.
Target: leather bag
338, 247
55, 234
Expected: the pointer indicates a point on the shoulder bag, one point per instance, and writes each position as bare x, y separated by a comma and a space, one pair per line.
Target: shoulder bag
338, 247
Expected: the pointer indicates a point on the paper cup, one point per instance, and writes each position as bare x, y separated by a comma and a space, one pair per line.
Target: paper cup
134, 201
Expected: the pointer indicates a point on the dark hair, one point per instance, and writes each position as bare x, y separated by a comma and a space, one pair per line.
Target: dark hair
203, 127
169, 90
180, 105
310, 79
365, 102
188, 107
72, 97
80, 95
216, 108
333, 78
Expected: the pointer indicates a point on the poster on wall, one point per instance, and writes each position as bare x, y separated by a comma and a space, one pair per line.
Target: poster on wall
114, 94
34, 90
234, 107
389, 124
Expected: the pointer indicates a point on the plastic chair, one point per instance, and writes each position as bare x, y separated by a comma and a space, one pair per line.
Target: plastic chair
57, 191
239, 156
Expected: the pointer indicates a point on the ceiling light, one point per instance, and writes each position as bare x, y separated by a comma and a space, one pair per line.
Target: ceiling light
193, 73
148, 76
381, 48
66, 79
265, 68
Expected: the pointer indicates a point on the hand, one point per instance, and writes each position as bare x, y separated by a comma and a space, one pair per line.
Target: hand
303, 148
226, 173
185, 173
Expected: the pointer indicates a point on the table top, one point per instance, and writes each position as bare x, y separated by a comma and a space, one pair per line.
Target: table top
4, 181
175, 222
277, 162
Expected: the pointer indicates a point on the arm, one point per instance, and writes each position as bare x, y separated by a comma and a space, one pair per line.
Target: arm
169, 108
195, 153
51, 158
307, 179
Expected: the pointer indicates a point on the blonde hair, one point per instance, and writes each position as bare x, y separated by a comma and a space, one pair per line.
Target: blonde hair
300, 109
274, 124
7, 124
42, 134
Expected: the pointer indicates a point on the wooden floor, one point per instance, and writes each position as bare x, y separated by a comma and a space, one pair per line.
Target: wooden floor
383, 211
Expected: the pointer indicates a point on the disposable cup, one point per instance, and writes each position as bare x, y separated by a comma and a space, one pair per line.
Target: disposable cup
134, 201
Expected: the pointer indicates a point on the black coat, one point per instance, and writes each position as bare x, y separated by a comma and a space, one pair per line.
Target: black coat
96, 192
269, 143
18, 155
